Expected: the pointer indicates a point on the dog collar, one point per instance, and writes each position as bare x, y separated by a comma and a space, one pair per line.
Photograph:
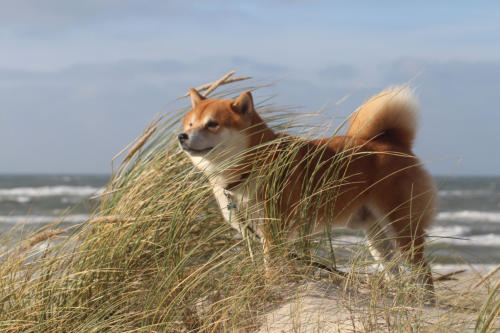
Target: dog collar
232, 185
231, 205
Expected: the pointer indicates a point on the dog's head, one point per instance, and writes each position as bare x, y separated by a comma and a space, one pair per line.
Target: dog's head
215, 128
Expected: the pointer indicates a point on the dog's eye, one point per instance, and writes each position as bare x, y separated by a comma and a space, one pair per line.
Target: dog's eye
212, 124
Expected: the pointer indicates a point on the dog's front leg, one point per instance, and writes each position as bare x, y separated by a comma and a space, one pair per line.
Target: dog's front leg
266, 247
228, 208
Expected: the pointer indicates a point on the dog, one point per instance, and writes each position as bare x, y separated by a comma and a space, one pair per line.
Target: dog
377, 184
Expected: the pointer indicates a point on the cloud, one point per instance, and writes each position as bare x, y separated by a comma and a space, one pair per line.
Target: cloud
339, 72
121, 18
459, 111
76, 118
61, 11
259, 67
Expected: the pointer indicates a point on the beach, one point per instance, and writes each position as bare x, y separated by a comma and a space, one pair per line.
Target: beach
464, 237
322, 306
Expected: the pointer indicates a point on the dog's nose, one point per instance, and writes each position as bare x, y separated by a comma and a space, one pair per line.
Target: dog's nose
183, 137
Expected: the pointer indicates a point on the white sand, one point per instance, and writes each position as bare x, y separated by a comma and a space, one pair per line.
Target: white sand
321, 306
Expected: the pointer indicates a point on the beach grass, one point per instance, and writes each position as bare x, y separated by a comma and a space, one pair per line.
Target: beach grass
156, 256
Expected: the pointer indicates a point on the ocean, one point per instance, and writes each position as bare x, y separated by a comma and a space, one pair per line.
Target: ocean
35, 200
466, 232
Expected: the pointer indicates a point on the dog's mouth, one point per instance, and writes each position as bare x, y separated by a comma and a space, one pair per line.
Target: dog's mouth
196, 152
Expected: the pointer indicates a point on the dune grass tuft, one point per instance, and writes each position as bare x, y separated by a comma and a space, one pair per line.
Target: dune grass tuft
156, 256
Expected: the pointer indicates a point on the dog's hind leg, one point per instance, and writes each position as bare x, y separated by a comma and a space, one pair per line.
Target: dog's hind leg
382, 247
379, 240
411, 241
409, 210
409, 233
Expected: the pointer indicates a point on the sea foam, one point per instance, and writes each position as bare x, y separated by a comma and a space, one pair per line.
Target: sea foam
469, 216
33, 219
465, 193
47, 191
460, 235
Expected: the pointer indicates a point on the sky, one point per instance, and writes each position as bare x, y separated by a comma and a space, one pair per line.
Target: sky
80, 79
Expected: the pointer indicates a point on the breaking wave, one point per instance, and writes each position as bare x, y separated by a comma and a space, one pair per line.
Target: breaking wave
20, 219
465, 193
469, 216
460, 235
47, 191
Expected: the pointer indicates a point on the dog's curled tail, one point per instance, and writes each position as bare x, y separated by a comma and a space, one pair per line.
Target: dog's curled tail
390, 115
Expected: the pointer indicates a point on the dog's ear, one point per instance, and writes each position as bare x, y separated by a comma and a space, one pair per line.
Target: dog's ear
244, 103
195, 97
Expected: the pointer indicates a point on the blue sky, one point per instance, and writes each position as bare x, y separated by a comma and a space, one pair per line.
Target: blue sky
80, 79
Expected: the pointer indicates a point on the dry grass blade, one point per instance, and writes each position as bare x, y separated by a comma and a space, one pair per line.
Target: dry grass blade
490, 311
42, 237
112, 219
448, 276
229, 80
486, 277
139, 144
157, 256
100, 195
218, 83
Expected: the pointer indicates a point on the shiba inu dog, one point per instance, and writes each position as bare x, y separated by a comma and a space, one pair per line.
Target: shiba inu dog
368, 179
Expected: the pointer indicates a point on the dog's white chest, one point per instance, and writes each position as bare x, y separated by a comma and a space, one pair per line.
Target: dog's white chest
238, 210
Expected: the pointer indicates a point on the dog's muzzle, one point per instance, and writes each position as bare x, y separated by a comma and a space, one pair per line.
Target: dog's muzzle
184, 143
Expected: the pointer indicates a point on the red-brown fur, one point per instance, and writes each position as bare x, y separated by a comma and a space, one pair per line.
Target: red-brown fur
378, 168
